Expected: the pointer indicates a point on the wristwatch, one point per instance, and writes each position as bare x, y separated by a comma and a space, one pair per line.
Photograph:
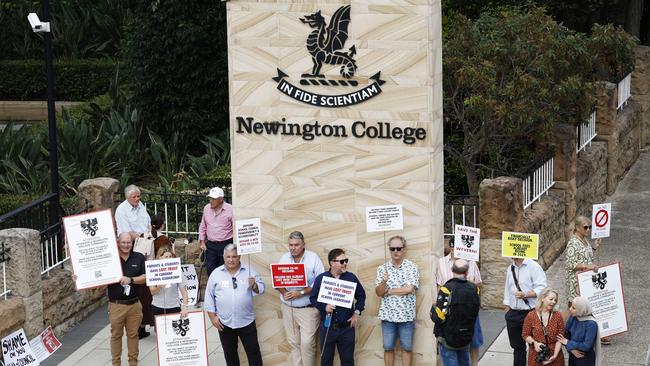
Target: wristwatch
131, 279
302, 292
356, 311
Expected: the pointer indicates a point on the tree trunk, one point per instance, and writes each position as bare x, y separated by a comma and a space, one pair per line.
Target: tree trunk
633, 18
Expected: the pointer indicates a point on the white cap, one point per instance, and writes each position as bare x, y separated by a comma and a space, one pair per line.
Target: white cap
215, 192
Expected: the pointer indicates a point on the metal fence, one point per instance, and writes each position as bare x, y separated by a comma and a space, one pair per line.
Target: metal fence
624, 91
182, 211
539, 181
3, 259
586, 132
460, 210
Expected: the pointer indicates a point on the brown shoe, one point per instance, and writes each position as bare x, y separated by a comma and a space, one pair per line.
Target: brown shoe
605, 341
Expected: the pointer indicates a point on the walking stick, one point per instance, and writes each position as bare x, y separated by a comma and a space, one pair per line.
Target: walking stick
327, 323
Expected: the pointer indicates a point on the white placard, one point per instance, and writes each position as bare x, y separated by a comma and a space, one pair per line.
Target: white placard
467, 241
249, 236
181, 342
337, 292
45, 344
601, 220
16, 350
191, 283
93, 249
604, 291
384, 218
163, 271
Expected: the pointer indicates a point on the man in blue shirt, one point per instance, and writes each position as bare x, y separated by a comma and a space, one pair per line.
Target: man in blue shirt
340, 332
229, 303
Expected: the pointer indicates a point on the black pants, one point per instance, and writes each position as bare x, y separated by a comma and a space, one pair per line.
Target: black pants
515, 326
214, 254
248, 336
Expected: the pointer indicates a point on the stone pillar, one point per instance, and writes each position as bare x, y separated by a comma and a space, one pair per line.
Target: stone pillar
24, 275
501, 209
641, 90
606, 99
565, 169
99, 192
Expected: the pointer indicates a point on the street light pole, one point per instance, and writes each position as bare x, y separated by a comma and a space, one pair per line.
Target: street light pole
51, 119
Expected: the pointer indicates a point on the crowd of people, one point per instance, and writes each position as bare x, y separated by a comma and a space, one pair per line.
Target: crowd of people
534, 326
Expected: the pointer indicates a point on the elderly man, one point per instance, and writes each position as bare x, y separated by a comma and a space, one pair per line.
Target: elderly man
131, 217
299, 317
525, 280
339, 320
454, 315
396, 282
229, 303
215, 230
124, 309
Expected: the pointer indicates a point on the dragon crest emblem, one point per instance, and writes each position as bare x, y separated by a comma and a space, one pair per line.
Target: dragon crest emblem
89, 227
599, 280
181, 326
326, 41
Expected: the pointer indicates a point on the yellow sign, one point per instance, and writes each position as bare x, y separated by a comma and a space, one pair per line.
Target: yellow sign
520, 245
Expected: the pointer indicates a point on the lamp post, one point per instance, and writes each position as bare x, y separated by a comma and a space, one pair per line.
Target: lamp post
44, 27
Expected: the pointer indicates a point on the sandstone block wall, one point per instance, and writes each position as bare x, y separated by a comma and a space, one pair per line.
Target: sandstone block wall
547, 218
641, 90
591, 177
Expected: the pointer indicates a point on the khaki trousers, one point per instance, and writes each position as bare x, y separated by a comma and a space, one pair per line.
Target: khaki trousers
301, 327
120, 317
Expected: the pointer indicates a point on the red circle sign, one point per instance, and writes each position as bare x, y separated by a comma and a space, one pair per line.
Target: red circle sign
602, 217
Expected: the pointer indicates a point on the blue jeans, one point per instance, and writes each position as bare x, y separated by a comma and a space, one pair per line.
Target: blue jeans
343, 340
390, 332
454, 357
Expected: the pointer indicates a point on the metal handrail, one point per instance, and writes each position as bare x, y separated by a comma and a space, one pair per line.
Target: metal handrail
26, 207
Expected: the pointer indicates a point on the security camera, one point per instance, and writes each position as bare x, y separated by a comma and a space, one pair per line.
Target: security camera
37, 25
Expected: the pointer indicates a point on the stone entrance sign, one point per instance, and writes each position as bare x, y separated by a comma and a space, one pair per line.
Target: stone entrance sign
335, 107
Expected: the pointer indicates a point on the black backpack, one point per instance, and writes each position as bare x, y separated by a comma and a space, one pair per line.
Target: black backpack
455, 312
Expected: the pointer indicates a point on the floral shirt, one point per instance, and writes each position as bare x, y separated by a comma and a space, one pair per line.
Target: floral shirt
398, 309
576, 253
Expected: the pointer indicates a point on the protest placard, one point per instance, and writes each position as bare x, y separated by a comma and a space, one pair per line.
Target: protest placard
337, 292
604, 290
288, 275
181, 341
601, 220
249, 236
16, 350
191, 284
163, 271
467, 241
93, 249
519, 245
44, 344
384, 218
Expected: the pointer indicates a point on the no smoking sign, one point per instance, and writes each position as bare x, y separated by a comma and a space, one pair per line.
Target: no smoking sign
601, 220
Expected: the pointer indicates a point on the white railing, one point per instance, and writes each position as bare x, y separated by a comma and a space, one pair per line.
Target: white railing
624, 91
52, 255
538, 183
178, 224
3, 260
586, 132
463, 211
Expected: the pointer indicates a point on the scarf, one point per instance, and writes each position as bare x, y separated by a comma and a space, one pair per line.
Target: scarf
584, 312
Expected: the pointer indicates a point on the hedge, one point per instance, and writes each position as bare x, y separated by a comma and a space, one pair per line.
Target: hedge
220, 177
10, 202
74, 80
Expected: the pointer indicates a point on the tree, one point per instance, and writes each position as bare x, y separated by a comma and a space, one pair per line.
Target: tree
175, 57
508, 80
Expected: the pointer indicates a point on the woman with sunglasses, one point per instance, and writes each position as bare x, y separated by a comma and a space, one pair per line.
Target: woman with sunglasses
579, 258
444, 274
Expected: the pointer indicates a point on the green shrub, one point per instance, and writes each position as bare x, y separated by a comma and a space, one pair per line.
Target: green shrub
10, 202
74, 80
220, 177
613, 51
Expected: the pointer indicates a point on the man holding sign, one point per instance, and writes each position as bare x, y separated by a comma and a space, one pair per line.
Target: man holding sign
299, 317
338, 325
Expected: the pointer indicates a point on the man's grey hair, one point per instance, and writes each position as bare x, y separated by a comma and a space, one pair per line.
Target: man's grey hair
460, 266
398, 237
230, 247
297, 235
130, 190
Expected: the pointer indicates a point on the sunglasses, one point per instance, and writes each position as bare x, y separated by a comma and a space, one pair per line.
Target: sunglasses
342, 261
395, 249
587, 227
234, 283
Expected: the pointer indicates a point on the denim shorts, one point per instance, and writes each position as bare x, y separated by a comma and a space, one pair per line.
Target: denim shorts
391, 330
477, 338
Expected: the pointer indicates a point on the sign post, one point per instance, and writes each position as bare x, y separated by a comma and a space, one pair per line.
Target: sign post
604, 290
467, 241
520, 245
249, 236
288, 275
601, 220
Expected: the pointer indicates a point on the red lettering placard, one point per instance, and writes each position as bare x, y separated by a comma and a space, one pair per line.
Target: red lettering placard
288, 275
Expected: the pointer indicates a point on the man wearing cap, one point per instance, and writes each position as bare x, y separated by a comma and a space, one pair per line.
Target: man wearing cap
215, 230
299, 317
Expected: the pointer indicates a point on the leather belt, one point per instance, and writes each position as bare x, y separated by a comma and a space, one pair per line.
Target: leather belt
125, 302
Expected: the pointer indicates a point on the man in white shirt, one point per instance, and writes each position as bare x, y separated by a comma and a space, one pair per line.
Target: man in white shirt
525, 280
300, 319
